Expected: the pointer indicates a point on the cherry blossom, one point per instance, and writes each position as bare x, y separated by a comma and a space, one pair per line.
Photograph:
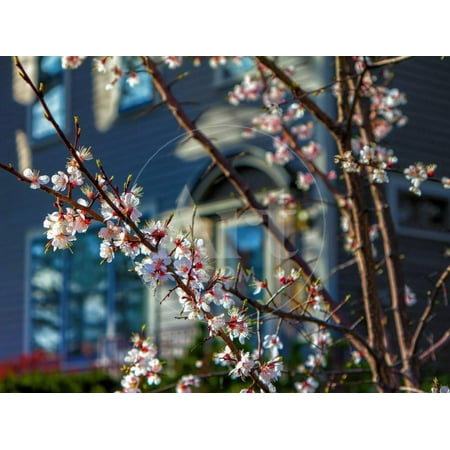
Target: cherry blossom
348, 162
133, 79
72, 62
273, 343
101, 64
130, 383
248, 90
216, 61
303, 131
445, 182
186, 384
129, 203
410, 296
287, 279
141, 364
60, 181
243, 366
237, 325
173, 62
35, 178
62, 227
224, 358
321, 338
308, 386
153, 268
283, 153
107, 251
270, 371
357, 357
311, 150
417, 173
315, 297
297, 111
315, 360
268, 122
304, 181
259, 287
215, 324
112, 233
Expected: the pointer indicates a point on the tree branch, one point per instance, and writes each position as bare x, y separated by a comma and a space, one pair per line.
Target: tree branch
302, 96
230, 173
64, 198
388, 61
428, 310
437, 346
72, 150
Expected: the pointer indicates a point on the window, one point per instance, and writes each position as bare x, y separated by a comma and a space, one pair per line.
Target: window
75, 301
245, 243
51, 75
137, 95
423, 213
427, 216
233, 71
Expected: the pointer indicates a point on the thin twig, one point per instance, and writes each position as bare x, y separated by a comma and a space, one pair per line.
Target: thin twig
426, 314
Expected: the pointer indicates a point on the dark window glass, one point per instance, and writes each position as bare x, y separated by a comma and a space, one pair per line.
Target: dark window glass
424, 213
75, 301
238, 69
244, 244
132, 97
51, 75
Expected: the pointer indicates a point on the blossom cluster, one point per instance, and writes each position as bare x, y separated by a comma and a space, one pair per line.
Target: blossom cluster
160, 254
385, 102
187, 382
417, 174
62, 225
320, 340
373, 161
245, 363
141, 364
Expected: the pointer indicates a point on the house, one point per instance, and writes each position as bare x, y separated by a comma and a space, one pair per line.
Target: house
84, 311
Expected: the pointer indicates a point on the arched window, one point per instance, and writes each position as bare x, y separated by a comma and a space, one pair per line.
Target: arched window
232, 235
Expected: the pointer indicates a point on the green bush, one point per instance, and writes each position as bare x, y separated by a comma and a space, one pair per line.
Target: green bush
57, 382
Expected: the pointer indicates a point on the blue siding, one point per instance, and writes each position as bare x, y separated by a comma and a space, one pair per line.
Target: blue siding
128, 144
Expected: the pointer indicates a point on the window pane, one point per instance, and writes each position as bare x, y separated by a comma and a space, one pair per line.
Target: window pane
424, 213
139, 94
86, 323
87, 296
49, 67
40, 126
129, 311
76, 301
86, 271
130, 298
244, 244
237, 69
52, 76
45, 302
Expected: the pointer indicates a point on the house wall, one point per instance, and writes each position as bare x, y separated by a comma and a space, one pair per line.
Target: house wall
152, 146
426, 137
